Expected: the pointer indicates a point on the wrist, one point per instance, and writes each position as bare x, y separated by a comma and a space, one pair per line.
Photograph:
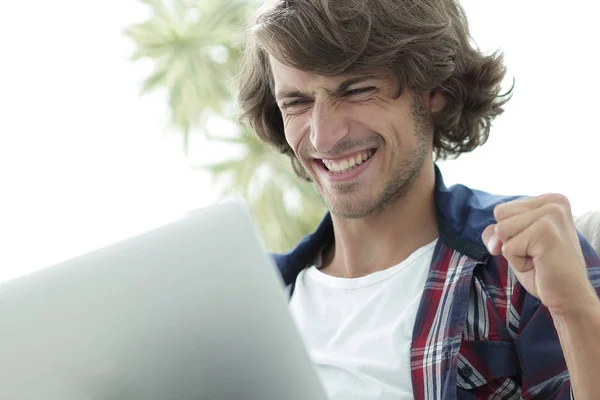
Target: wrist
582, 307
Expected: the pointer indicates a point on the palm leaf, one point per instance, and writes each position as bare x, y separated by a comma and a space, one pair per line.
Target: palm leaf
181, 39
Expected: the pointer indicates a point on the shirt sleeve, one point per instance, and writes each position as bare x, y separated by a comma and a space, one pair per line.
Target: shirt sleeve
543, 367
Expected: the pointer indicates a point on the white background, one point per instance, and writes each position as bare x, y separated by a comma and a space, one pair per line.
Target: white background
85, 161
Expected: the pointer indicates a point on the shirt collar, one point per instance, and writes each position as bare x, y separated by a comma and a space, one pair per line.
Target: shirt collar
463, 214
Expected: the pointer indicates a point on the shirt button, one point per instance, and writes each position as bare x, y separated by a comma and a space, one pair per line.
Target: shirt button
446, 355
467, 371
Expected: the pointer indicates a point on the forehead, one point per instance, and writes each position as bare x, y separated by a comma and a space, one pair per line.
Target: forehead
285, 73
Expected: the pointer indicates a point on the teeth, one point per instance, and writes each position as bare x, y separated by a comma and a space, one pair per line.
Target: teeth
348, 164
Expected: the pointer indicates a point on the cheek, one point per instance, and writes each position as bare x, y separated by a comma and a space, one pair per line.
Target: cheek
386, 118
375, 119
294, 132
375, 111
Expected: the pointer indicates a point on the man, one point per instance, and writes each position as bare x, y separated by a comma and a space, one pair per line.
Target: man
409, 289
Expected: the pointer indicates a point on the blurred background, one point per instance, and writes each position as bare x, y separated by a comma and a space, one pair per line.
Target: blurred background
119, 116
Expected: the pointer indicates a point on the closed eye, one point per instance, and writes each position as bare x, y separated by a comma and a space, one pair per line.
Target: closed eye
358, 91
298, 105
293, 103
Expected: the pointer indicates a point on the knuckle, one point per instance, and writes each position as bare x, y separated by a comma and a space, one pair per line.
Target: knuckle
559, 208
508, 248
554, 210
501, 230
546, 225
560, 199
500, 211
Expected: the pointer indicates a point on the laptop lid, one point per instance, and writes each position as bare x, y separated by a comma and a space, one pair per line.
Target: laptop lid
192, 310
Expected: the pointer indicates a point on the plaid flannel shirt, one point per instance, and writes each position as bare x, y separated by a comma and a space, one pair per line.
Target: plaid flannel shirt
478, 333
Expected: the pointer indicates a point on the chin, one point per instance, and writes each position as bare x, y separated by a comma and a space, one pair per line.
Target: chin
352, 205
352, 209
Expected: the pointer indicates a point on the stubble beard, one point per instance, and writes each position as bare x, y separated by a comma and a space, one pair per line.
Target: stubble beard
401, 182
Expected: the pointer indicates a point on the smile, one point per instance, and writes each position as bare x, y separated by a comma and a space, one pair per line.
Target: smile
346, 164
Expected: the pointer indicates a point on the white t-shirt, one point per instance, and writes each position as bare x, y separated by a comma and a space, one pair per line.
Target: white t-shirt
359, 331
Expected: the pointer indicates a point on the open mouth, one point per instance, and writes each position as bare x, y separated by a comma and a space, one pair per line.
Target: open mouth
343, 165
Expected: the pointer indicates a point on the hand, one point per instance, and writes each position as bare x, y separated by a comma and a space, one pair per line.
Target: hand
538, 238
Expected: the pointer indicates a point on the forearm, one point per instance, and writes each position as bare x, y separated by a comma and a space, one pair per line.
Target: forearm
579, 339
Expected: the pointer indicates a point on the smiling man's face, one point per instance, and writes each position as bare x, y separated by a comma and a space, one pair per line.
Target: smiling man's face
363, 148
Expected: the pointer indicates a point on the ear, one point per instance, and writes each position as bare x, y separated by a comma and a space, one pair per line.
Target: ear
437, 101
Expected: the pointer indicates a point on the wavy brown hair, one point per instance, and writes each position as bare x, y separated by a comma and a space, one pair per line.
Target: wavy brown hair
425, 44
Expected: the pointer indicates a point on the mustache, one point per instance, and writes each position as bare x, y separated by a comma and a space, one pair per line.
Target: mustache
342, 147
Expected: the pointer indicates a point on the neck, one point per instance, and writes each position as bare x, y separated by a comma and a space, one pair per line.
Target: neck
387, 237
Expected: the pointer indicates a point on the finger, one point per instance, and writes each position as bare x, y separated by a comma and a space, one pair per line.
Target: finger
520, 264
517, 249
519, 206
524, 244
490, 240
512, 226
514, 207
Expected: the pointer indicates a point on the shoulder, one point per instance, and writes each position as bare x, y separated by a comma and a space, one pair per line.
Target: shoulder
466, 211
291, 263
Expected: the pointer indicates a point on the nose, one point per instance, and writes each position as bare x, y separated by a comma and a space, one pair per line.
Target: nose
328, 127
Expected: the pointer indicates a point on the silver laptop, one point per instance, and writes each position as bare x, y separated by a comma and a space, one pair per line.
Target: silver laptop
194, 310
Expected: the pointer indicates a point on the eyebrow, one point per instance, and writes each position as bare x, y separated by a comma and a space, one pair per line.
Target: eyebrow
341, 87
